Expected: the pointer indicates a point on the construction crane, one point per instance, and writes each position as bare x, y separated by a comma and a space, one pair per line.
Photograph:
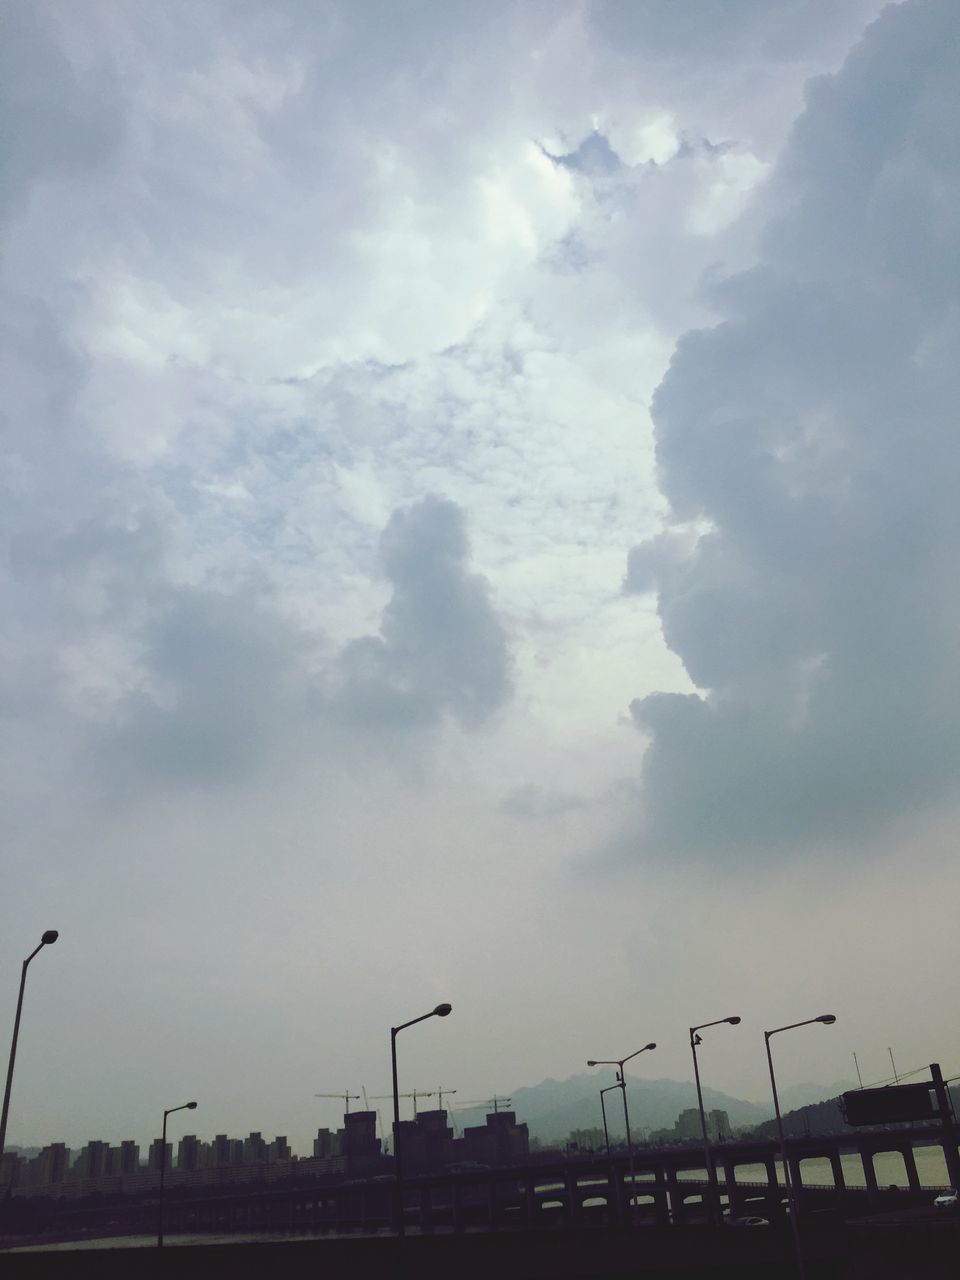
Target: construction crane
347, 1098
496, 1102
440, 1096
417, 1093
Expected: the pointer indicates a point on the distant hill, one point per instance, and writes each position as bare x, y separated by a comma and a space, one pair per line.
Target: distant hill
795, 1096
553, 1108
820, 1118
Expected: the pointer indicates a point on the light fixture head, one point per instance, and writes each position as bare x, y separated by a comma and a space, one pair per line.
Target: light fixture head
651, 1045
191, 1106
591, 1062
826, 1018
50, 936
442, 1010
733, 1021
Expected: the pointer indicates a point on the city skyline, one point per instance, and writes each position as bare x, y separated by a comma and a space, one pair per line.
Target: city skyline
479, 525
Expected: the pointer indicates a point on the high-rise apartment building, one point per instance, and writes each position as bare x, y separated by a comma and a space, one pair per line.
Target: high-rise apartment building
153, 1155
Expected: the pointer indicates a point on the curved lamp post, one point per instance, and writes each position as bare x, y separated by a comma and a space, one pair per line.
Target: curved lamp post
712, 1190
618, 1063
828, 1019
603, 1112
441, 1011
186, 1106
48, 939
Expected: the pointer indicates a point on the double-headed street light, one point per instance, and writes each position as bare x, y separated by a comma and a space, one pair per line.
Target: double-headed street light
185, 1106
621, 1081
793, 1200
712, 1194
441, 1011
47, 940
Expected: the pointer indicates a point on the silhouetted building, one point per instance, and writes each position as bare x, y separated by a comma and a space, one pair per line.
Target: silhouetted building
687, 1124
254, 1149
122, 1159
220, 1150
279, 1149
92, 1160
188, 1152
427, 1142
358, 1139
718, 1125
12, 1170
326, 1144
153, 1155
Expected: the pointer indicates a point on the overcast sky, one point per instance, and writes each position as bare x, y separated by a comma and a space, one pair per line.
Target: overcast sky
480, 524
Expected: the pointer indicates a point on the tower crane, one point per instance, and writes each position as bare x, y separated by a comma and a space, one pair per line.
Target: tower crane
441, 1093
347, 1098
497, 1102
415, 1094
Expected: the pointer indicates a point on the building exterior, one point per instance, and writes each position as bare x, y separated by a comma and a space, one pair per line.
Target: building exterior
326, 1144
189, 1152
254, 1149
92, 1160
154, 1154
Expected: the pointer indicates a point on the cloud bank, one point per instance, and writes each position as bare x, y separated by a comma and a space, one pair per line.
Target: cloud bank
807, 446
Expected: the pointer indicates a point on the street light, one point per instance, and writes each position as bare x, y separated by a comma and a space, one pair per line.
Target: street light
48, 939
828, 1019
618, 1063
186, 1106
712, 1191
603, 1112
441, 1011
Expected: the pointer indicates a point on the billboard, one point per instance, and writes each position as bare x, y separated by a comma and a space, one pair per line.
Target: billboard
891, 1105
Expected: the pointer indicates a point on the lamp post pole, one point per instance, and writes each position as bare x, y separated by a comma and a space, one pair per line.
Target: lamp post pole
441, 1011
713, 1197
793, 1200
621, 1081
603, 1111
186, 1106
48, 939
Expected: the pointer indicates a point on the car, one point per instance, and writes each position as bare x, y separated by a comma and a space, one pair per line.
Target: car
946, 1200
748, 1220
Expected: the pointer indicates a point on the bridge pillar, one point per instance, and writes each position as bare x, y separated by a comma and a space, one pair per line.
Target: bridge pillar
795, 1180
678, 1211
730, 1182
661, 1207
770, 1169
530, 1200
574, 1214
910, 1164
426, 1210
869, 1175
836, 1168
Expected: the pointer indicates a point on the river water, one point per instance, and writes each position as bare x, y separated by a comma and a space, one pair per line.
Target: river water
889, 1167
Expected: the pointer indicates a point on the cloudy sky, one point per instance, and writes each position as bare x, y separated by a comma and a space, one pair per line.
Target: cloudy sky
480, 524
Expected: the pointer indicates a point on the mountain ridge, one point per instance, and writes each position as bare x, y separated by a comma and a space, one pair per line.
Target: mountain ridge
554, 1108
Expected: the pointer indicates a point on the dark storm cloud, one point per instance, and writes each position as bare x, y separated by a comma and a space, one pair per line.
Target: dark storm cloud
217, 682
441, 647
813, 433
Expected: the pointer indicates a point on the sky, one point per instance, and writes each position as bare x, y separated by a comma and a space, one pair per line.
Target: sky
479, 525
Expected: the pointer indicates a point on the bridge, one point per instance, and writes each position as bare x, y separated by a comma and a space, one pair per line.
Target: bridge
658, 1188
